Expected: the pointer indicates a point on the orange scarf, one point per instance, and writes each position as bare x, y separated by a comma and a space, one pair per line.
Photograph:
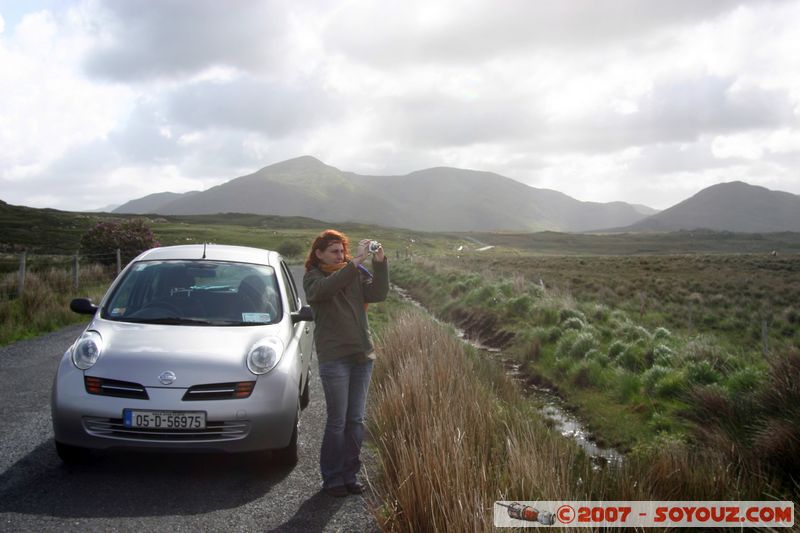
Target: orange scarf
330, 269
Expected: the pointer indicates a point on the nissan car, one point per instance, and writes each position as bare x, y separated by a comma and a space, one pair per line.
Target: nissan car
193, 348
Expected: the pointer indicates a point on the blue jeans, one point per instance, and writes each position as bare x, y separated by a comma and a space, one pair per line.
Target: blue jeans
345, 383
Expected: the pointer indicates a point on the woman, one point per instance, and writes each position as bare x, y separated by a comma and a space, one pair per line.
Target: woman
338, 287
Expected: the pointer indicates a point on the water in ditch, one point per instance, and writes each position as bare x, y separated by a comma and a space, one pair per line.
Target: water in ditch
553, 407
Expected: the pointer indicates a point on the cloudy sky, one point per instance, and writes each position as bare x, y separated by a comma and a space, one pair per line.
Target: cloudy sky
642, 101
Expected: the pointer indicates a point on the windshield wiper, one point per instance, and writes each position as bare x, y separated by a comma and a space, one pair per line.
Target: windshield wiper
173, 320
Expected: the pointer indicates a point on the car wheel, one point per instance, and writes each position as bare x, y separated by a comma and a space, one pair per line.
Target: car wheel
71, 454
288, 456
305, 398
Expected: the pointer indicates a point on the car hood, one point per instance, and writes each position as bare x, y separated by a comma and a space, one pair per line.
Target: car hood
197, 355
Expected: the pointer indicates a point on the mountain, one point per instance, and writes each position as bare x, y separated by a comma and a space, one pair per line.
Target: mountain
734, 206
436, 199
151, 203
105, 209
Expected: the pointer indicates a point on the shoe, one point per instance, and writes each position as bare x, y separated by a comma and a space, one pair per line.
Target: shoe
355, 488
339, 491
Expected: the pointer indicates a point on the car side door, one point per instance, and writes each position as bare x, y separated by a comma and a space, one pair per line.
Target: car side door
301, 329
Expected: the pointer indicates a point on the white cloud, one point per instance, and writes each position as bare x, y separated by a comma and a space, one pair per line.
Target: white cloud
172, 39
45, 108
467, 31
645, 102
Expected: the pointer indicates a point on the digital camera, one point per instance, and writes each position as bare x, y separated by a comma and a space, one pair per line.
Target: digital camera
373, 246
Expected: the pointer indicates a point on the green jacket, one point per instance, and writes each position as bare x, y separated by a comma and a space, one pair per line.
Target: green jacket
340, 320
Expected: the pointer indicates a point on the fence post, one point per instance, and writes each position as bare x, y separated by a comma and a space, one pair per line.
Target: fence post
119, 262
75, 271
21, 275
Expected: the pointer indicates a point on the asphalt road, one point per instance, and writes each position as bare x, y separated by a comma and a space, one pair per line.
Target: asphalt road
149, 492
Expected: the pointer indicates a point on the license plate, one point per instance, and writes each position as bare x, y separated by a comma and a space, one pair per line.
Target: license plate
164, 419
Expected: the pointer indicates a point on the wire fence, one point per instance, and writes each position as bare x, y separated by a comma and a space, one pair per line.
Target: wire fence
67, 271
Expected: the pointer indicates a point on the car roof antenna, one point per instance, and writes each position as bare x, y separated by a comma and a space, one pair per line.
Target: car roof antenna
204, 251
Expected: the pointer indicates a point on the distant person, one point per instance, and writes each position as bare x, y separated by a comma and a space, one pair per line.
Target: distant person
338, 287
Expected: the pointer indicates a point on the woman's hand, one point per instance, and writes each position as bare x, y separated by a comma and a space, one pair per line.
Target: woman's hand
379, 255
361, 252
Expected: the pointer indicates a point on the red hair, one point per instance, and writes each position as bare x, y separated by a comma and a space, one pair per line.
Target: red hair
321, 243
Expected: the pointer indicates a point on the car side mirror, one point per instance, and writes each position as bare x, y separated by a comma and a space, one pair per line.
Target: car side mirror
83, 306
305, 314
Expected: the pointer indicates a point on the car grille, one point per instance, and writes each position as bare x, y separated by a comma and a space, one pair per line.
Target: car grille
219, 391
114, 428
113, 387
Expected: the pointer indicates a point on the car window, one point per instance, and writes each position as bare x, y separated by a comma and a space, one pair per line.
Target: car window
294, 302
196, 293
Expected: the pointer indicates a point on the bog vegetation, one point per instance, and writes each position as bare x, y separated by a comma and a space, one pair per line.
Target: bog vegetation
707, 360
454, 434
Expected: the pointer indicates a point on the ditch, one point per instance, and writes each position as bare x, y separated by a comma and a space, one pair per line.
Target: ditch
551, 405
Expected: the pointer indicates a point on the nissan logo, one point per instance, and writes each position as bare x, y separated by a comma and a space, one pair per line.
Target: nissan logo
166, 378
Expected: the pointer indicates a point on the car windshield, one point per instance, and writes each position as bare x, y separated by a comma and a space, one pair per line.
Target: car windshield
196, 293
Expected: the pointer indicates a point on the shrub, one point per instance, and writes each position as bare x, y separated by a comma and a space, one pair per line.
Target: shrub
583, 343
744, 380
671, 385
632, 332
546, 315
520, 306
616, 348
662, 334
506, 289
553, 333
702, 373
653, 376
566, 314
483, 296
633, 358
131, 237
290, 248
596, 355
564, 365
662, 355
466, 285
573, 323
564, 346
587, 374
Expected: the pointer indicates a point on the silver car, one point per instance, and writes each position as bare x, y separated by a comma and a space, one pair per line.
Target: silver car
193, 348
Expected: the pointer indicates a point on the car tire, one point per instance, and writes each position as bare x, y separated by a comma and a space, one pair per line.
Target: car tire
305, 398
71, 454
288, 456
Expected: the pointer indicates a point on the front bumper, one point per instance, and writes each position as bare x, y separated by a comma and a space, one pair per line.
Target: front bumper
265, 420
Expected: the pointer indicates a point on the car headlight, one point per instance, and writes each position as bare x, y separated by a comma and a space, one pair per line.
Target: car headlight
86, 351
264, 355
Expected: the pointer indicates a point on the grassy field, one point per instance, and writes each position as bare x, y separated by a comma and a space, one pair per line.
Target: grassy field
730, 296
454, 434
679, 242
640, 375
51, 232
48, 235
45, 304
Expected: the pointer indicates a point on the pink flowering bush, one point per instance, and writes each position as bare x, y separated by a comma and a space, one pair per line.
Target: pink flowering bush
131, 236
